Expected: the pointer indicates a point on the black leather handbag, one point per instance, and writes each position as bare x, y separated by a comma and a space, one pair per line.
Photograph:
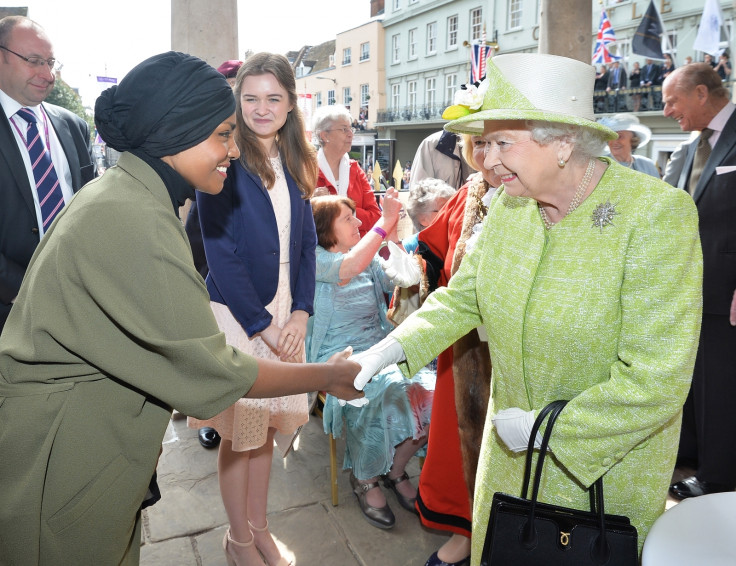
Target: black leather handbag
524, 532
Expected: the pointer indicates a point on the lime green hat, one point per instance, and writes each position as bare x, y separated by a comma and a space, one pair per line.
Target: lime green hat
528, 86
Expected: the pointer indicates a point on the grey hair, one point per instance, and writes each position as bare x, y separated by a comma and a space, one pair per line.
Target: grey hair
325, 116
635, 141
586, 142
422, 197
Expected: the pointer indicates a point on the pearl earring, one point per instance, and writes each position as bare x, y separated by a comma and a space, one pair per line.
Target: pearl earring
561, 163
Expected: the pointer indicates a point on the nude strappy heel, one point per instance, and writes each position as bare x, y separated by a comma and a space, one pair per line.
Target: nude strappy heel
228, 539
282, 561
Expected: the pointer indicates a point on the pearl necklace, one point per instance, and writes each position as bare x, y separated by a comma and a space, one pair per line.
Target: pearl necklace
577, 197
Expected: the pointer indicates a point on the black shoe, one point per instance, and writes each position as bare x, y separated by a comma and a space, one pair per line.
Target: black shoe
381, 517
208, 437
406, 502
693, 487
435, 560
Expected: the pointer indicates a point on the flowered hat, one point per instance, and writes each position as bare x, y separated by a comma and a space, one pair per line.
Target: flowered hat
624, 122
528, 86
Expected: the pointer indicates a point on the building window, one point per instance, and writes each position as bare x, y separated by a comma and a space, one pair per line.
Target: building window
395, 50
346, 56
318, 99
411, 95
430, 92
432, 38
514, 14
365, 51
412, 44
450, 88
330, 97
396, 5
476, 24
346, 98
451, 32
395, 96
364, 96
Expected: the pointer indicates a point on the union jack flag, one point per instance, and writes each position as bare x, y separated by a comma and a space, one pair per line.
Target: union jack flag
478, 56
601, 54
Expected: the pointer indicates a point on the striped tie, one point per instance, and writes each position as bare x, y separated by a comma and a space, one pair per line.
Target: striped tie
48, 188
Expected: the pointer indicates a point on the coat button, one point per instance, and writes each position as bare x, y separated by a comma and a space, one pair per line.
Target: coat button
34, 230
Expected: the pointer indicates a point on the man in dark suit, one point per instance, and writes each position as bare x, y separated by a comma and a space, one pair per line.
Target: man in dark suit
26, 78
694, 96
650, 79
616, 83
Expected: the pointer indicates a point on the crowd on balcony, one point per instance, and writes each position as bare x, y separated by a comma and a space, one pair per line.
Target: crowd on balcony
618, 89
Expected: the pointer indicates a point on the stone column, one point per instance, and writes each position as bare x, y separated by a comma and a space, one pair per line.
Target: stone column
565, 28
207, 29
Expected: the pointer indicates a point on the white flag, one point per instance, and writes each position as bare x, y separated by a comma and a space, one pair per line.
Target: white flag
709, 31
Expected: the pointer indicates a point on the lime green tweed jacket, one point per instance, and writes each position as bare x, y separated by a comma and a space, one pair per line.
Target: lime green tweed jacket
602, 310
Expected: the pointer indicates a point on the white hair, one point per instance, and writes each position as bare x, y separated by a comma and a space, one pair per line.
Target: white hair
325, 116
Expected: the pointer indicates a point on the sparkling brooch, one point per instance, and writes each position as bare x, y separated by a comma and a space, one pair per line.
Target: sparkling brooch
603, 215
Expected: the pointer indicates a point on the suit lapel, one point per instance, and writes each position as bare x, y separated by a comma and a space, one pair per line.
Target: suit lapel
61, 127
10, 153
724, 145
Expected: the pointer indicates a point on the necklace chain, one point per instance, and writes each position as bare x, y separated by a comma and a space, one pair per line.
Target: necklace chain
577, 197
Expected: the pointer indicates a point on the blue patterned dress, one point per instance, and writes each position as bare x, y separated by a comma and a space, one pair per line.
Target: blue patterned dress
355, 315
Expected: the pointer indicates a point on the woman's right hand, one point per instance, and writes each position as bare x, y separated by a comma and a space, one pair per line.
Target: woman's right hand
321, 192
342, 376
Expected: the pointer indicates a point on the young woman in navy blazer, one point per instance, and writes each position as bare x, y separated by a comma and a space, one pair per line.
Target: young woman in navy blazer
260, 240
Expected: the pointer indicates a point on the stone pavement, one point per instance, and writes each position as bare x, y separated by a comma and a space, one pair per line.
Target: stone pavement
186, 527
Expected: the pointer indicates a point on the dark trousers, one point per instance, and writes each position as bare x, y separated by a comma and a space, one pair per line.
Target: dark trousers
709, 420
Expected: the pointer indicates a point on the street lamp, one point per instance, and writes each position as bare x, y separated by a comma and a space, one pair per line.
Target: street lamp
334, 81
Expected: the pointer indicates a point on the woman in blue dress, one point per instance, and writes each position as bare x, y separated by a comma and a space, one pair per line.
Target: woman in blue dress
350, 308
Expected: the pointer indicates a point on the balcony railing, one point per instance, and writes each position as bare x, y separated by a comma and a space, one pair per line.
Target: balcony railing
419, 113
646, 99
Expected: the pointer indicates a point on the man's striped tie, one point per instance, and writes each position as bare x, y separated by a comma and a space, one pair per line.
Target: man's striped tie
48, 188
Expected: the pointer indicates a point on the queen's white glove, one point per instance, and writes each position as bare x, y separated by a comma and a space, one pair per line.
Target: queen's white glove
401, 267
375, 359
514, 426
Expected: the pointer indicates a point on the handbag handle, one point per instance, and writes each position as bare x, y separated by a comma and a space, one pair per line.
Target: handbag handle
600, 550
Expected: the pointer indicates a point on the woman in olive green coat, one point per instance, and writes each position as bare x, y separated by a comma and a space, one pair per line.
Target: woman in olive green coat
112, 329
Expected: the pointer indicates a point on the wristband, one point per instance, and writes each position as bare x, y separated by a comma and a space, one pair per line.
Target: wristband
380, 231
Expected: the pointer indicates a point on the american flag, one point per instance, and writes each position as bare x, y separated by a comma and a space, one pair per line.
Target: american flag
478, 56
601, 54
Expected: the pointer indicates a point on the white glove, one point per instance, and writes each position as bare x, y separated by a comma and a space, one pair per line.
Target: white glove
401, 267
375, 359
514, 426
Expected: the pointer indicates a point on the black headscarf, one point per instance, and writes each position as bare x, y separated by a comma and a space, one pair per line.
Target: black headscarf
164, 105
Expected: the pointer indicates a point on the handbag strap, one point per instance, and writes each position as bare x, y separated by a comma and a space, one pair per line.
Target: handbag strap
553, 406
601, 549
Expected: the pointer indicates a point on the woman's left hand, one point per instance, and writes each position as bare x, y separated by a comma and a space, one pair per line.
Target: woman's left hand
514, 427
291, 340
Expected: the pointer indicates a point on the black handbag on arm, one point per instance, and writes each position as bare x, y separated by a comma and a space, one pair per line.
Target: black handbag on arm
524, 532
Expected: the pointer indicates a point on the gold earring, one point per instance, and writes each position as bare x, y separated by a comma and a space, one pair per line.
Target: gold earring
561, 163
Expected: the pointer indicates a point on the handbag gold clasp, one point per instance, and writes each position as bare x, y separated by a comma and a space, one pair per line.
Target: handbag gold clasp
564, 538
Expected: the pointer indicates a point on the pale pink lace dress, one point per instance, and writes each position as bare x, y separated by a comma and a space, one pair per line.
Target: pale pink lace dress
246, 422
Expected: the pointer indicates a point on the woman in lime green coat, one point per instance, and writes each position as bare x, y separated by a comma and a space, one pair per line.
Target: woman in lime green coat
587, 277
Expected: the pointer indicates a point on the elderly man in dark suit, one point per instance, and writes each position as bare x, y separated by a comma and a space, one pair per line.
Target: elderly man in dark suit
694, 96
31, 196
